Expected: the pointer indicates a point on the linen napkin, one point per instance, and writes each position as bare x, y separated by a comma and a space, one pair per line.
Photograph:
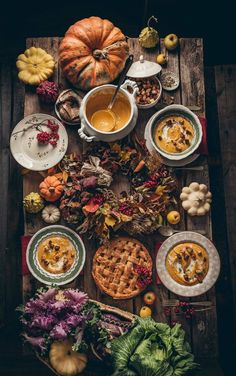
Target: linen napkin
203, 148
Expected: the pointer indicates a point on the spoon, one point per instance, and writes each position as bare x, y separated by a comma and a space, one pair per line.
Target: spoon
106, 118
168, 231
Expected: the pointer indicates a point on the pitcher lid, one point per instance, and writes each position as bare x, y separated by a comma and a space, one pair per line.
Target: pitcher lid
143, 69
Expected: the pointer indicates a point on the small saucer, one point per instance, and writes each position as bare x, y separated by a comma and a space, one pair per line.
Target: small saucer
173, 81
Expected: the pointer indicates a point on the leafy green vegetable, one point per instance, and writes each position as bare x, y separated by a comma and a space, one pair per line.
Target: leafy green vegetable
152, 349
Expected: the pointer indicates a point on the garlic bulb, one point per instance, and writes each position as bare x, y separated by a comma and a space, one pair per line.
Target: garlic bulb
196, 199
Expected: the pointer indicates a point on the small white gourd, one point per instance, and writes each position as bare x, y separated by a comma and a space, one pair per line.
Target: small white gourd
51, 214
196, 199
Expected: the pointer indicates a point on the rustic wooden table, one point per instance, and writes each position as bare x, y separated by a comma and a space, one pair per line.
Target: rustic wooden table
187, 63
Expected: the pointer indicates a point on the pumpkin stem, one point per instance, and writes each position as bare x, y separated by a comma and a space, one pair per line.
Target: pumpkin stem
51, 189
99, 54
151, 18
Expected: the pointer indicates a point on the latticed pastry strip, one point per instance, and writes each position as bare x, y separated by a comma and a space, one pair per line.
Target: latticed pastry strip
114, 267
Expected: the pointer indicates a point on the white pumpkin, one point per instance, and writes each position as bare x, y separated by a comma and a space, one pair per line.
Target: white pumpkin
66, 361
51, 214
196, 199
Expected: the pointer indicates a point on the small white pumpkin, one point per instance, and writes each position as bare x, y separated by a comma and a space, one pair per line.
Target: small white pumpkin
196, 199
66, 361
51, 214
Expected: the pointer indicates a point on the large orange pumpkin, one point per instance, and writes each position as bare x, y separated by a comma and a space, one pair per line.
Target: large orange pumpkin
51, 188
92, 53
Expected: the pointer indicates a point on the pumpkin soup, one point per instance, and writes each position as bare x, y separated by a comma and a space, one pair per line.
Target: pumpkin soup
174, 134
187, 263
56, 254
108, 120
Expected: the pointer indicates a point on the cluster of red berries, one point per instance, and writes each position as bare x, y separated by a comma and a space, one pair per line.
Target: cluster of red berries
49, 138
150, 184
145, 276
126, 209
98, 199
182, 307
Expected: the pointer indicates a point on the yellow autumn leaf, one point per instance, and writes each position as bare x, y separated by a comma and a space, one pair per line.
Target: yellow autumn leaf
116, 147
110, 221
125, 218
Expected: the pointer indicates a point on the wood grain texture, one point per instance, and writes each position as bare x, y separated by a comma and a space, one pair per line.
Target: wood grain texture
225, 78
188, 63
11, 111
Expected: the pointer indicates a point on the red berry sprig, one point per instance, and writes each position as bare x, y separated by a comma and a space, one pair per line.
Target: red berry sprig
51, 138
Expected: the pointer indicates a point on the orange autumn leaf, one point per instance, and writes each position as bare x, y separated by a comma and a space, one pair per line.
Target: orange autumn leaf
90, 207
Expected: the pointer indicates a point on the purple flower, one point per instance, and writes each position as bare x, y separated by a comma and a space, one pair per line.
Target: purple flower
59, 331
73, 320
77, 296
48, 295
43, 322
57, 306
36, 305
35, 341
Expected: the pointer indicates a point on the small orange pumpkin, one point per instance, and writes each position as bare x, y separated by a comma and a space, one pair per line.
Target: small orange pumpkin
51, 188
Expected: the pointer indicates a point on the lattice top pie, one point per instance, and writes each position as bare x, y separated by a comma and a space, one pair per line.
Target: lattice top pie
116, 265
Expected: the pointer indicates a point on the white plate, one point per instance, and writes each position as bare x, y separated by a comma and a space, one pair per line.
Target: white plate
168, 162
172, 75
28, 152
32, 255
214, 264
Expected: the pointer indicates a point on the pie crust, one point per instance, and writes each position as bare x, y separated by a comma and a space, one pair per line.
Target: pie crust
114, 267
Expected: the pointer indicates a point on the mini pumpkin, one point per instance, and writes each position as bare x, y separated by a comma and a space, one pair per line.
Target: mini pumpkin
66, 361
35, 65
51, 214
51, 188
33, 203
196, 199
92, 53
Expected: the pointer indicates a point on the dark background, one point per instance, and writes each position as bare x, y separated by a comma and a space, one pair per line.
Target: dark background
212, 20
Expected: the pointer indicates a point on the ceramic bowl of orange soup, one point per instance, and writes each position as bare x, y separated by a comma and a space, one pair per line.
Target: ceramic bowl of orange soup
175, 132
108, 125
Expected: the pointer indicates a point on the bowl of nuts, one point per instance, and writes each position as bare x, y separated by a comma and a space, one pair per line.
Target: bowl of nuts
144, 73
149, 92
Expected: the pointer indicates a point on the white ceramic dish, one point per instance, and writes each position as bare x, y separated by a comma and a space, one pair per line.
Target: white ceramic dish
32, 260
214, 264
180, 110
173, 76
168, 162
58, 113
28, 152
150, 105
88, 133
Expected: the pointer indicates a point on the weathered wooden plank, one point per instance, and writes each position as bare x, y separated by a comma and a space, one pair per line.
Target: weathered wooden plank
224, 295
5, 113
144, 115
225, 78
204, 324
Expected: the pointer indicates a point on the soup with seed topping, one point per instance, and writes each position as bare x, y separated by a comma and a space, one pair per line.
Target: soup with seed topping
187, 263
174, 134
56, 254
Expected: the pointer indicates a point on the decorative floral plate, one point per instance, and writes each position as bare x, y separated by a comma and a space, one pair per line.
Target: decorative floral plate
26, 149
214, 264
32, 255
168, 162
